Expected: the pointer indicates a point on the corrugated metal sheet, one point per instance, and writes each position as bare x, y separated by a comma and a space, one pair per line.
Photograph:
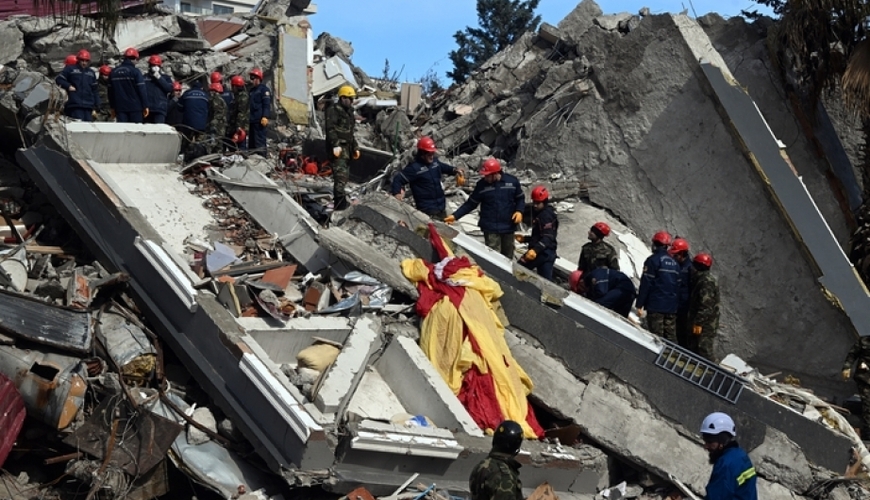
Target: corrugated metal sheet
12, 415
218, 29
44, 323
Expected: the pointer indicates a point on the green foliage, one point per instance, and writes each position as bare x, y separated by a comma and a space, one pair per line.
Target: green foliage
431, 82
500, 23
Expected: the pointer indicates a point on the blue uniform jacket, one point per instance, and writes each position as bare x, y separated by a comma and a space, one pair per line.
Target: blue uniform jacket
158, 92
733, 476
609, 288
86, 94
685, 275
227, 94
425, 181
498, 202
261, 103
545, 229
127, 88
194, 108
659, 284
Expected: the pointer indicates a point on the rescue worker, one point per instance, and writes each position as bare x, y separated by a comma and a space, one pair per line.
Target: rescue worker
127, 94
501, 201
609, 288
703, 312
659, 285
174, 115
194, 105
679, 250
424, 176
575, 282
70, 60
80, 83
541, 255
159, 86
341, 144
597, 248
104, 114
261, 110
860, 353
497, 477
733, 476
217, 119
239, 113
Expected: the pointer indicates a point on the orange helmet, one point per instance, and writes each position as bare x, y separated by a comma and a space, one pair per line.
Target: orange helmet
105, 70
216, 86
540, 194
155, 60
662, 238
256, 72
131, 53
426, 144
679, 245
70, 59
490, 166
574, 279
240, 136
704, 259
601, 228
237, 81
83, 55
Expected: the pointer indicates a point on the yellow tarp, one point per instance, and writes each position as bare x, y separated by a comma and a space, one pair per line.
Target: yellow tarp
442, 340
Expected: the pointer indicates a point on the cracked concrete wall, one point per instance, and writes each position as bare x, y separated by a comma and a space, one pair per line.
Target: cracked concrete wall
643, 131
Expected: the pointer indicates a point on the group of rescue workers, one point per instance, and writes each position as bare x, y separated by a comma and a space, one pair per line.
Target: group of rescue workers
497, 477
227, 118
678, 296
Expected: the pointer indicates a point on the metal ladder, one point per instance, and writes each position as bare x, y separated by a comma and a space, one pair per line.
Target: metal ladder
699, 371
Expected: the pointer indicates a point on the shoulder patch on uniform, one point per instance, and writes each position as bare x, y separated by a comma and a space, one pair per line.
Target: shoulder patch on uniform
266, 93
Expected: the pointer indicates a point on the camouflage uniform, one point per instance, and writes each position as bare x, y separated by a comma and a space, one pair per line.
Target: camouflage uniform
497, 477
860, 352
595, 250
217, 122
240, 111
340, 123
104, 114
703, 312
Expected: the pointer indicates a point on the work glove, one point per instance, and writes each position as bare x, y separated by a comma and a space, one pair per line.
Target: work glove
847, 374
71, 88
450, 219
696, 330
520, 238
264, 121
155, 70
641, 313
460, 178
336, 151
94, 114
145, 113
517, 217
530, 256
356, 154
400, 195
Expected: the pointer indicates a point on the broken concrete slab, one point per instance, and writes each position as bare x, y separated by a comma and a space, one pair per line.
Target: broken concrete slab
11, 42
161, 143
612, 22
780, 460
340, 380
144, 32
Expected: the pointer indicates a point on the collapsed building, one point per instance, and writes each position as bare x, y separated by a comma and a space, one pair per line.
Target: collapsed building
644, 116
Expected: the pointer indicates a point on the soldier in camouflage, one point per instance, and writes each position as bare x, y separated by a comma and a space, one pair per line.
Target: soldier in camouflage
239, 113
104, 114
340, 143
216, 128
497, 477
703, 307
860, 353
597, 249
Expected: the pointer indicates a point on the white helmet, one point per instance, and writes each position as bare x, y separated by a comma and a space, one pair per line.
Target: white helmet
718, 422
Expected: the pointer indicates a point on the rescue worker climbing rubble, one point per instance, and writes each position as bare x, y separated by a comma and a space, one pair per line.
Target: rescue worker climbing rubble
424, 176
860, 354
239, 112
341, 144
659, 285
703, 315
733, 476
497, 477
597, 248
80, 83
261, 110
501, 201
679, 250
127, 94
159, 86
541, 255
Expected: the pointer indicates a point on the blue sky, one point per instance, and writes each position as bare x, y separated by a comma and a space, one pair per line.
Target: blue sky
419, 34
